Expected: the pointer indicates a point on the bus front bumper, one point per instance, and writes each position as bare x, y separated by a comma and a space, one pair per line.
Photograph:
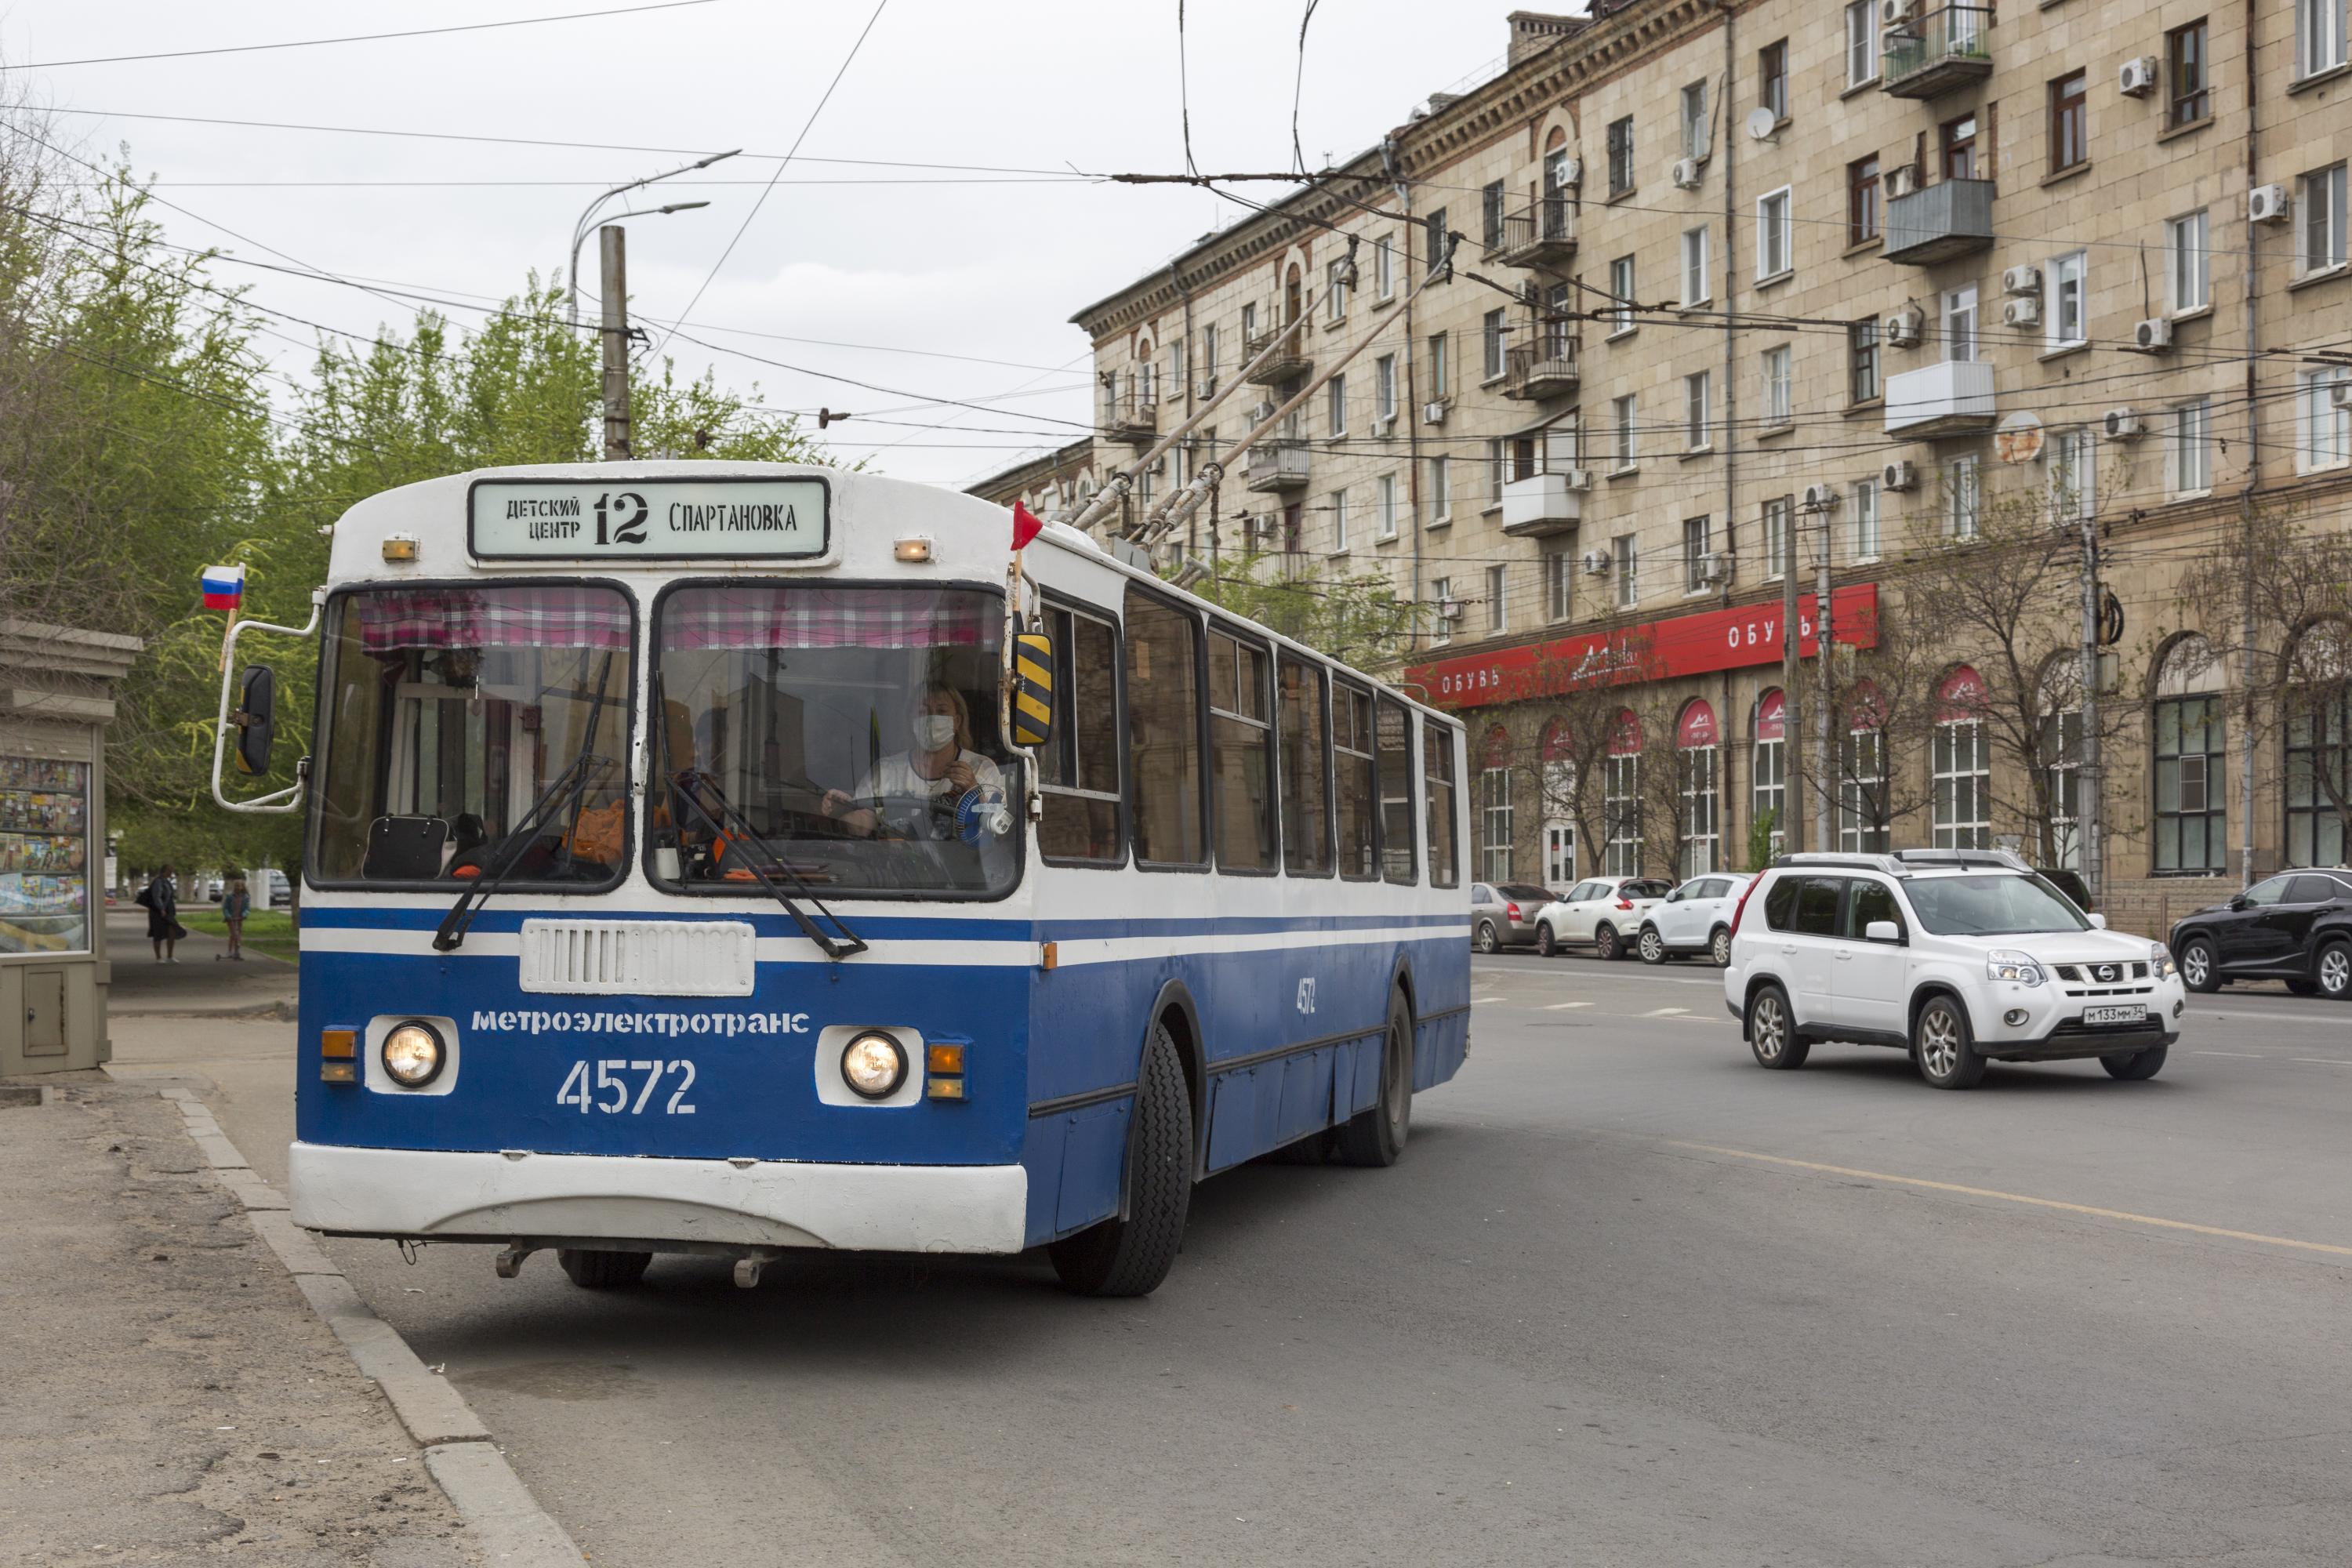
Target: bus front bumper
431, 1194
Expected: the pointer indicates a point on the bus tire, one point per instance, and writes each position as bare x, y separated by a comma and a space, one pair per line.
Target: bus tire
1374, 1138
1131, 1257
603, 1270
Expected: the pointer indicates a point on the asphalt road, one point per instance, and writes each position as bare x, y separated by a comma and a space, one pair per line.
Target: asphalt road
1626, 1299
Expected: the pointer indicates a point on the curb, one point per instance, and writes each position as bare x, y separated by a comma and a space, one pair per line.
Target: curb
511, 1527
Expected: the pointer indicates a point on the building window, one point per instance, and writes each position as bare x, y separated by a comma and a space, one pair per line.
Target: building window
2062, 744
2074, 475
1495, 824
1209, 356
1960, 498
1438, 245
1695, 122
2189, 453
1696, 289
1628, 588
1335, 393
1490, 214
1960, 145
2187, 264
1698, 393
1694, 544
1559, 577
2317, 776
1863, 522
2323, 427
1861, 43
2184, 74
2318, 36
1249, 326
1695, 766
1334, 291
1620, 814
1626, 449
1384, 506
1441, 627
1778, 395
1778, 544
1862, 360
2191, 833
1338, 504
2070, 121
1492, 336
1441, 490
1961, 781
1620, 292
1437, 356
2062, 311
1620, 155
1862, 196
1863, 825
1384, 268
1772, 67
1960, 323
1495, 469
2321, 222
1499, 615
1775, 240
1384, 387
1770, 797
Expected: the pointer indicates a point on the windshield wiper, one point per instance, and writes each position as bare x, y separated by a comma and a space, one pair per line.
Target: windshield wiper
572, 780
689, 787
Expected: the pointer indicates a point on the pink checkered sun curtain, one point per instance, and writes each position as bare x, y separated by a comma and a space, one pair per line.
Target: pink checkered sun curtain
804, 615
492, 617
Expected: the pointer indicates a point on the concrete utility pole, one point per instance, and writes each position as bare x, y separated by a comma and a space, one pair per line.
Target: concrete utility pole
1825, 821
1792, 730
2088, 781
614, 269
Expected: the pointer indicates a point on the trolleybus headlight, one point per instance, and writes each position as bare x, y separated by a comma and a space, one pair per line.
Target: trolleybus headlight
874, 1064
413, 1054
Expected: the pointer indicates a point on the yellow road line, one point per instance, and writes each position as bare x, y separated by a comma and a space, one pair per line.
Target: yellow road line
2018, 1198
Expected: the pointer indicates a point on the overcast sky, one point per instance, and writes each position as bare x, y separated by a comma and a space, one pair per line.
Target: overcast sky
942, 263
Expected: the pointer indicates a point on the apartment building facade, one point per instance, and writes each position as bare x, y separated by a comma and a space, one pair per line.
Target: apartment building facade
1692, 292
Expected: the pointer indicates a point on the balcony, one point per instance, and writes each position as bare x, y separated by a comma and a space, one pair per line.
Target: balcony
1543, 235
1288, 361
1955, 398
1952, 217
1132, 417
1278, 464
1541, 504
1937, 52
1532, 372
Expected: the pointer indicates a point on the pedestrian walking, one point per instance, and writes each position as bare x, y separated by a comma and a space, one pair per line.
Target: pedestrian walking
161, 898
236, 904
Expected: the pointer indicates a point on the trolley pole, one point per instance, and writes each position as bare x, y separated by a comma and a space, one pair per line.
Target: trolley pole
613, 267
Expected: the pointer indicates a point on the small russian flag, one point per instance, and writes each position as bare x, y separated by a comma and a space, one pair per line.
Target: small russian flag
224, 587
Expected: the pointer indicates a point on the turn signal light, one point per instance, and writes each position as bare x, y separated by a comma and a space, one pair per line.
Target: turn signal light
339, 1072
945, 1059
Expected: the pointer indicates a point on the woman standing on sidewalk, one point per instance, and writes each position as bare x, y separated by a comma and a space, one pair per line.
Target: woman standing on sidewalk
161, 896
234, 905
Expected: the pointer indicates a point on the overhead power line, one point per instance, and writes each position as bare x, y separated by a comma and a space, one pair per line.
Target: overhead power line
355, 37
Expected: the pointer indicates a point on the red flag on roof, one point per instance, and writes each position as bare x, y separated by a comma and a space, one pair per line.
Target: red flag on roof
1024, 525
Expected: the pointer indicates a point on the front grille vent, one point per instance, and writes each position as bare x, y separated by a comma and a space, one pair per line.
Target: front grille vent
637, 958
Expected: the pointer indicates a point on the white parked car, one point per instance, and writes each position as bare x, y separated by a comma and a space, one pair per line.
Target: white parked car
1960, 957
1695, 919
1599, 913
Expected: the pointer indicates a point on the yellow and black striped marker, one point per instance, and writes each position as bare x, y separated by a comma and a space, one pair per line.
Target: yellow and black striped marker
1032, 689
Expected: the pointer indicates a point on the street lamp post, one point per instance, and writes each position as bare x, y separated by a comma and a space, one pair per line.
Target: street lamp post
580, 230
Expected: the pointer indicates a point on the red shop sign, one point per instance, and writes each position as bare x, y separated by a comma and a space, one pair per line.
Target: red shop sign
1771, 715
1697, 728
1683, 645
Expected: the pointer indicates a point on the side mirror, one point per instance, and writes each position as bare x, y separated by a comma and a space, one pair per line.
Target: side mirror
2098, 922
1029, 674
2237, 901
256, 719
1883, 931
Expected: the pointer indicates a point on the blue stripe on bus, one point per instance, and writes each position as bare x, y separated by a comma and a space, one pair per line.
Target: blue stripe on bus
904, 928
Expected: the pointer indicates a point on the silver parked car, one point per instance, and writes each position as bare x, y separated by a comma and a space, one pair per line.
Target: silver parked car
1503, 915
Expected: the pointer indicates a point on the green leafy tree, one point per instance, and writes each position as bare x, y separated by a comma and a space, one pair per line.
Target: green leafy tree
1358, 621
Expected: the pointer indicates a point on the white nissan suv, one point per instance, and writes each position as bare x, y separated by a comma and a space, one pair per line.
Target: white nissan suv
1960, 957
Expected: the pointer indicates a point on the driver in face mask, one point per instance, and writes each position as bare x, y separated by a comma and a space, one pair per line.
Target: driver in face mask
941, 764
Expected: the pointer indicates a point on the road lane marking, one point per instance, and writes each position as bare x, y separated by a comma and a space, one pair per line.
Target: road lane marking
1564, 1007
2329, 1061
2093, 1212
1474, 1001
2250, 1056
1665, 1012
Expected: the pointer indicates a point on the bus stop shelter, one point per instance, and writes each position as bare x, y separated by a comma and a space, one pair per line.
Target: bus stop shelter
56, 696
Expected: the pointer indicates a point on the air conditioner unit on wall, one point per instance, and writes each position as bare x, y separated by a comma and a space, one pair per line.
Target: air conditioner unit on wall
1687, 173
2137, 78
1434, 413
2268, 204
1595, 563
1902, 180
1903, 328
2020, 280
2340, 394
1262, 413
1821, 497
1449, 609
2024, 312
2125, 424
1900, 475
2153, 335
1714, 567
1894, 13
1577, 479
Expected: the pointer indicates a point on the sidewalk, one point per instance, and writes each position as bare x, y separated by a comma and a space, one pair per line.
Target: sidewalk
204, 981
166, 1393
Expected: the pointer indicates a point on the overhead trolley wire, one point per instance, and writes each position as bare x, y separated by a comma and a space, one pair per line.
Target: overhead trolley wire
357, 37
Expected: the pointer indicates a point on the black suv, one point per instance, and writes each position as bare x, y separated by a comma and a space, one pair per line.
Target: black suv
2295, 927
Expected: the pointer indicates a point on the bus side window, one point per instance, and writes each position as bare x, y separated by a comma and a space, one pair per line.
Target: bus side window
1163, 731
1396, 792
1351, 747
1437, 765
1241, 732
1077, 770
1305, 768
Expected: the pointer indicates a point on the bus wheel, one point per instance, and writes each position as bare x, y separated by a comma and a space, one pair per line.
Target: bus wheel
1376, 1137
603, 1270
1131, 1257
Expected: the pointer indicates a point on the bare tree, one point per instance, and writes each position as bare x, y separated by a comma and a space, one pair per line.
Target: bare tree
1559, 746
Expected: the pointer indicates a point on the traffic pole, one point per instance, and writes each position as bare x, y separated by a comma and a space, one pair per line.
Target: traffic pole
612, 260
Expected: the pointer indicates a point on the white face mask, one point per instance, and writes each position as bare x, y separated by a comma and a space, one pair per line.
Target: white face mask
933, 730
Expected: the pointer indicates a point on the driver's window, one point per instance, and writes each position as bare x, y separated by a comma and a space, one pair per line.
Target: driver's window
2263, 894
1871, 902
